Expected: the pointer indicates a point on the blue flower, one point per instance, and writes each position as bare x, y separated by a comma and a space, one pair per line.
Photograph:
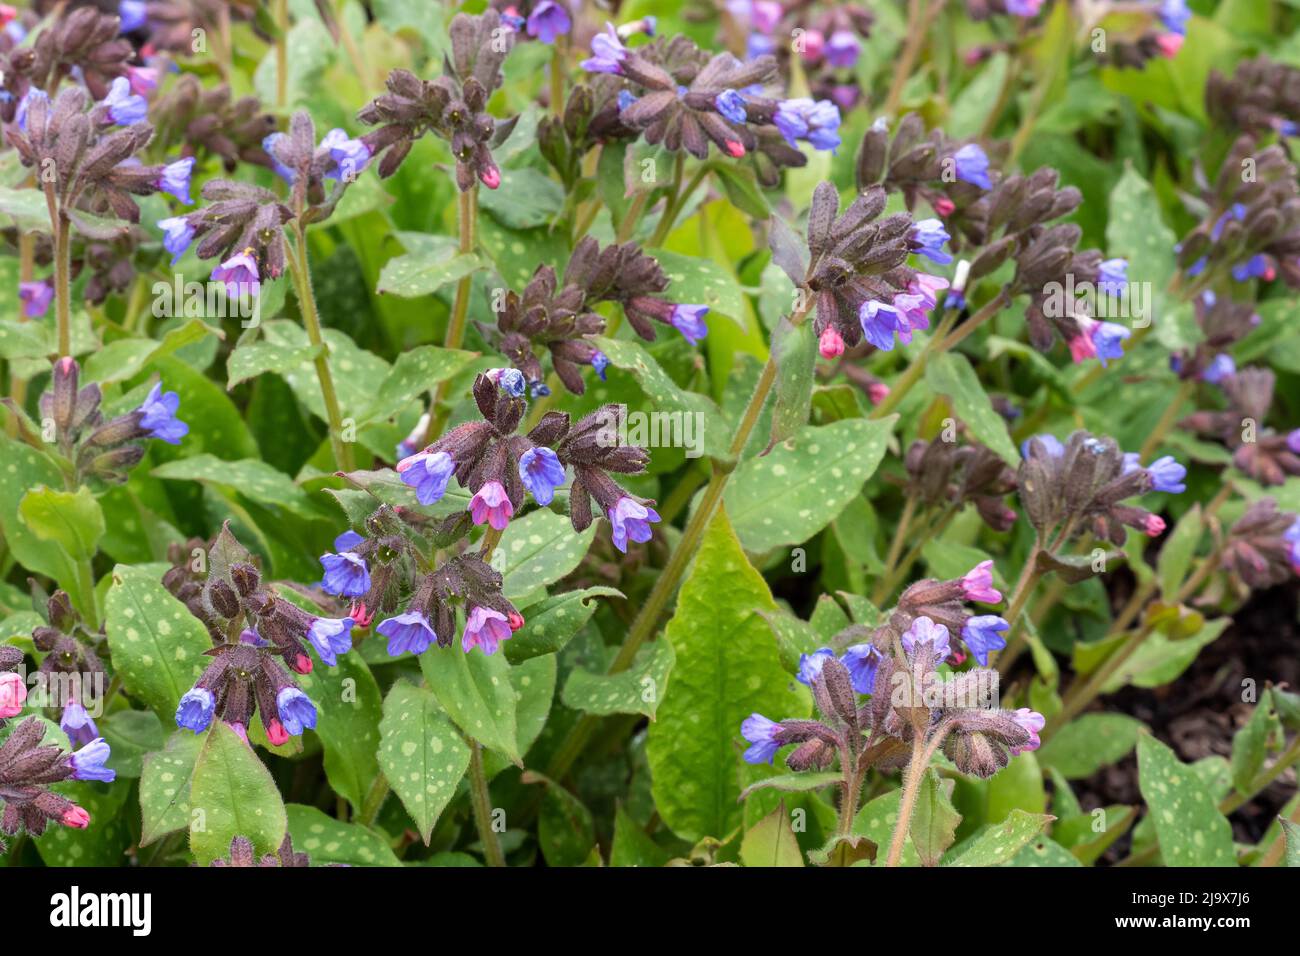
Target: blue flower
983, 633
509, 380
928, 238
268, 145
972, 166
761, 734
175, 179
88, 762
1167, 475
1114, 277
77, 723
177, 235
862, 661
133, 14
331, 637
124, 107
879, 321
1256, 267
810, 665
296, 710
759, 45
548, 20
347, 541
842, 49
1220, 367
350, 155
25, 105
346, 574
689, 320
195, 709
1051, 444
731, 105
925, 631
1174, 14
407, 632
539, 389
625, 99
631, 519
816, 122
1107, 337
608, 53
428, 474
541, 472
600, 362
158, 416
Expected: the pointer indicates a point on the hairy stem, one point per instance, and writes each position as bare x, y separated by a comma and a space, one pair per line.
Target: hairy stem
481, 802
467, 226
1167, 420
907, 802
281, 53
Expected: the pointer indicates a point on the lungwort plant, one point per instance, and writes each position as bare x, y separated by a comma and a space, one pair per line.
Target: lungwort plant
557, 433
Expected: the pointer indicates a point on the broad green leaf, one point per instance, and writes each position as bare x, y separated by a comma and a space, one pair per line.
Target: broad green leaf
795, 782
104, 842
1177, 551
771, 842
326, 840
550, 624
25, 207
1086, 744
739, 183
539, 549
565, 829
797, 489
73, 520
1250, 743
794, 637
157, 644
637, 690
165, 786
1292, 836
970, 108
232, 795
1000, 843
632, 845
23, 340
421, 753
349, 708
1191, 830
701, 281
526, 198
250, 477
131, 734
26, 468
934, 819
795, 350
951, 374
258, 358
355, 370
876, 821
1162, 659
415, 372
425, 272
1018, 785
1044, 851
727, 668
475, 690
1136, 231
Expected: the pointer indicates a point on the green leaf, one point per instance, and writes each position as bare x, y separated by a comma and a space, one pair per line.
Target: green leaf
475, 690
951, 374
73, 520
258, 358
789, 495
971, 107
1018, 785
632, 845
1250, 743
26, 207
157, 644
425, 272
232, 795
349, 709
326, 840
355, 370
165, 786
550, 624
794, 637
1292, 836
565, 830
771, 842
526, 198
250, 477
1189, 826
1086, 744
1162, 659
934, 819
742, 189
1177, 551
26, 468
415, 372
795, 782
386, 487
1136, 231
539, 549
795, 351
1044, 851
637, 690
421, 753
700, 281
727, 668
104, 843
876, 822
1000, 843
131, 734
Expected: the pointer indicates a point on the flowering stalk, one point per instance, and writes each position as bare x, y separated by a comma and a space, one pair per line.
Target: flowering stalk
917, 31
467, 225
675, 204
481, 801
281, 53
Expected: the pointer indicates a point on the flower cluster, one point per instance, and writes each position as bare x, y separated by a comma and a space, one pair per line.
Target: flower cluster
943, 472
242, 225
945, 174
1263, 546
1266, 455
1260, 96
242, 854
211, 122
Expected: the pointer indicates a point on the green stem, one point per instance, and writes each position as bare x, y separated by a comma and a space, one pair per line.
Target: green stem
884, 585
1167, 420
467, 225
907, 59
481, 801
907, 802
1029, 576
281, 53
311, 319
62, 230
633, 214
676, 205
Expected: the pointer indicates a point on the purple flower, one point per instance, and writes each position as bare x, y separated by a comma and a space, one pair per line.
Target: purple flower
1024, 8
817, 122
1256, 267
239, 273
252, 638
539, 389
810, 665
124, 107
509, 380
1174, 15
1051, 443
759, 45
485, 628
350, 155
1114, 277
78, 724
731, 105
625, 99
862, 661
1220, 367
548, 20
175, 179
407, 632
491, 504
928, 238
296, 710
133, 13
331, 637
843, 48
631, 519
689, 320
977, 584
1032, 722
1167, 475
972, 166
158, 416
1293, 441
983, 633
347, 541
195, 709
346, 574
88, 762
143, 79
761, 734
177, 235
428, 474
541, 472
600, 362
608, 53
35, 297
879, 321
1107, 338
24, 105
925, 631
281, 170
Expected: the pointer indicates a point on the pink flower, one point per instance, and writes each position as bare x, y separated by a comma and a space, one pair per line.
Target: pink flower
1155, 526
240, 731
1082, 347
13, 691
813, 45
491, 504
977, 585
490, 176
515, 619
76, 817
831, 343
944, 206
877, 392
927, 286
485, 628
1032, 722
144, 79
1169, 44
276, 733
